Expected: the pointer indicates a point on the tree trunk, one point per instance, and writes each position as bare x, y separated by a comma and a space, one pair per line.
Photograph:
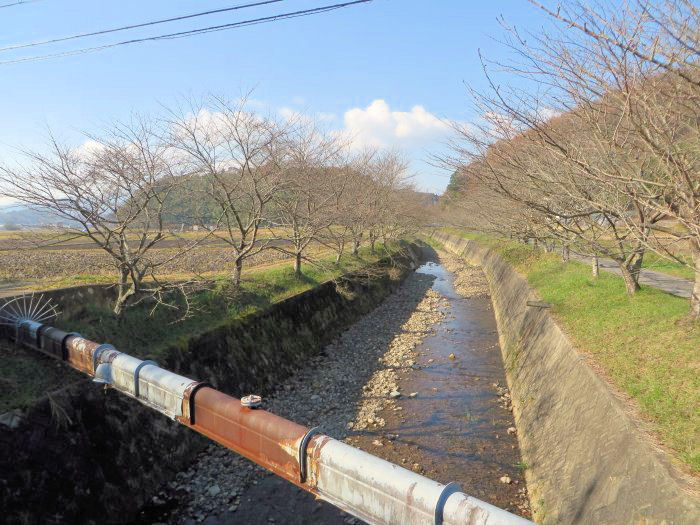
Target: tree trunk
372, 240
595, 268
630, 278
355, 247
339, 252
637, 263
237, 270
297, 264
125, 292
695, 295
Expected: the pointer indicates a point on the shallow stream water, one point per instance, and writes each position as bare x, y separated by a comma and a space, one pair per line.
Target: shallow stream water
456, 426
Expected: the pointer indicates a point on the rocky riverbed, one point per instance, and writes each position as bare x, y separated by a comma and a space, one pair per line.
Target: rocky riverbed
350, 390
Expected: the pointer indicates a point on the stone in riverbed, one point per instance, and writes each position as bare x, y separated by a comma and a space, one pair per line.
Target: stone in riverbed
394, 394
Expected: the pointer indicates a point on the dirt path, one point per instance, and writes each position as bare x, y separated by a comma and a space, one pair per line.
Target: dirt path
668, 283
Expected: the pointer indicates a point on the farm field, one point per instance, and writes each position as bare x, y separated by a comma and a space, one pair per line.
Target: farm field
71, 265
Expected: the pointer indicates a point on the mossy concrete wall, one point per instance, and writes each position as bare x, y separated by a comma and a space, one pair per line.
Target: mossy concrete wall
588, 460
88, 455
73, 299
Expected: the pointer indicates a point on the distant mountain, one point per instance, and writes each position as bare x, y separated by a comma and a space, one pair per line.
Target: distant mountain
14, 215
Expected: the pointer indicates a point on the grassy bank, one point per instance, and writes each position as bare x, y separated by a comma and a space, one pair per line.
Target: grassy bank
652, 261
643, 343
142, 332
26, 375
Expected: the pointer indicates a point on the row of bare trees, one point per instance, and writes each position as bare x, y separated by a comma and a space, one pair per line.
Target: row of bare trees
254, 182
590, 139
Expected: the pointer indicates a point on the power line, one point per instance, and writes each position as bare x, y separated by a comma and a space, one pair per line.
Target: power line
135, 26
20, 2
192, 32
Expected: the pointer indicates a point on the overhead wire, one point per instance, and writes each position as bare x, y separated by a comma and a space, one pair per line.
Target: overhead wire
136, 26
192, 32
20, 2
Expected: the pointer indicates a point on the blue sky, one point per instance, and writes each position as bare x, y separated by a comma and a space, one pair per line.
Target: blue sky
386, 71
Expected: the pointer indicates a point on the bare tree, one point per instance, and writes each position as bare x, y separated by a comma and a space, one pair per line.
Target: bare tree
304, 205
608, 171
342, 208
393, 201
647, 68
114, 194
237, 155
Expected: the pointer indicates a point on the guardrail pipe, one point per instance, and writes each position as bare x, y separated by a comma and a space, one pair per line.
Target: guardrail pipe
361, 484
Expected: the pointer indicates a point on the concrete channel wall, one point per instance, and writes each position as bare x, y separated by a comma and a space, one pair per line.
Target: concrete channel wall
88, 455
588, 461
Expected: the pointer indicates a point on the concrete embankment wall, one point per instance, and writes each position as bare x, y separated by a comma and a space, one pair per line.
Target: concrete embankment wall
588, 461
88, 455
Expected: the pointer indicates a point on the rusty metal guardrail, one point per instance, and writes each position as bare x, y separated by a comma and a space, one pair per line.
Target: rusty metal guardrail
359, 483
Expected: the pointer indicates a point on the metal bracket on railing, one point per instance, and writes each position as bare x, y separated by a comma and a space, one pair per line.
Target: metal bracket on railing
188, 414
98, 351
136, 375
302, 452
447, 491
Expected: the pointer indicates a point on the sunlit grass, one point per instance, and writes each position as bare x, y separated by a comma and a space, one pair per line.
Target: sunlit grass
653, 261
25, 375
146, 333
645, 343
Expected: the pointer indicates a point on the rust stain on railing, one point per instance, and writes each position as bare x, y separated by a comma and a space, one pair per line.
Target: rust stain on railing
266, 439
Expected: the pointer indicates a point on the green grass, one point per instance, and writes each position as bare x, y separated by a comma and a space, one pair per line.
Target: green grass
474, 236
645, 343
653, 261
147, 334
432, 243
26, 375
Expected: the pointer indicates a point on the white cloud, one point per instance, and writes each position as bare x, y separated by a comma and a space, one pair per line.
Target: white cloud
89, 147
504, 126
290, 114
378, 125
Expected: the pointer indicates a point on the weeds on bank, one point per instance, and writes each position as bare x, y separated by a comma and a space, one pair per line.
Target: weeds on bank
145, 333
644, 343
27, 375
